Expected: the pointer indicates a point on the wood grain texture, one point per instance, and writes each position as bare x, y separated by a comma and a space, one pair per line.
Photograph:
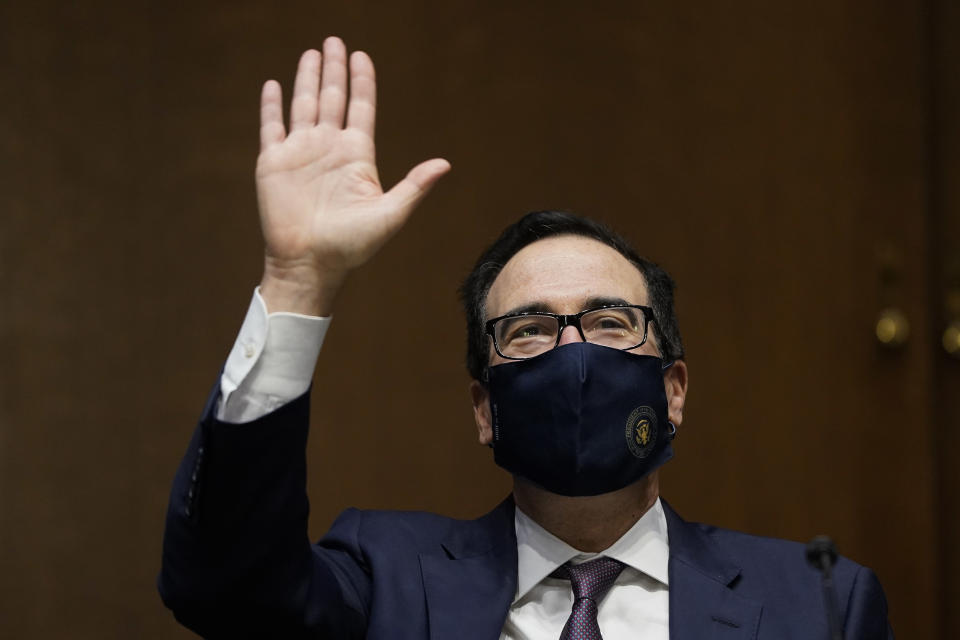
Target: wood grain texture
945, 266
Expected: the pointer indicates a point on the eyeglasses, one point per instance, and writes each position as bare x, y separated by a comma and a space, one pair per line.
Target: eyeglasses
518, 336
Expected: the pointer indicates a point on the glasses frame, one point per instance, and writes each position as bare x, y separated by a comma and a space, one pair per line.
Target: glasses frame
567, 320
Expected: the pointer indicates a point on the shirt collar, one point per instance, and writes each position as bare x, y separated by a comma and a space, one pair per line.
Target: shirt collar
643, 547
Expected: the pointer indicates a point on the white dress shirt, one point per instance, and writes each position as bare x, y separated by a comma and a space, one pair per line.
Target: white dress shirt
636, 606
272, 363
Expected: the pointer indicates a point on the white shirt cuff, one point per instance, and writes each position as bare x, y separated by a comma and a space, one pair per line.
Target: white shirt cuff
271, 363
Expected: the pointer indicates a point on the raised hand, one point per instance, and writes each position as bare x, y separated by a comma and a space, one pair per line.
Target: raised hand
323, 211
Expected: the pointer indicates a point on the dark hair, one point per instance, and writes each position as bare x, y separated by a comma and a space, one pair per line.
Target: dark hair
544, 224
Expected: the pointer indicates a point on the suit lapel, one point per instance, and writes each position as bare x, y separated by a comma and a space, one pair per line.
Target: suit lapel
703, 603
471, 580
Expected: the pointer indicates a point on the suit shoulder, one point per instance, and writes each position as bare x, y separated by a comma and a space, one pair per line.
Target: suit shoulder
776, 572
733, 541
398, 526
415, 530
767, 561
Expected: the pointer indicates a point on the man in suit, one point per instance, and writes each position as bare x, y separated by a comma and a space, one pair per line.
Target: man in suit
578, 384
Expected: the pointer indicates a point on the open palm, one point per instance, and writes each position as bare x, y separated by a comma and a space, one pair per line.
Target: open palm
322, 208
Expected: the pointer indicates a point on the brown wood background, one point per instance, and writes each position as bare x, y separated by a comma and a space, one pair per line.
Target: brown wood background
944, 252
763, 152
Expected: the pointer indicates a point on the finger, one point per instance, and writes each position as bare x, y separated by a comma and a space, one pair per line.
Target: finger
333, 84
303, 106
418, 182
271, 115
362, 111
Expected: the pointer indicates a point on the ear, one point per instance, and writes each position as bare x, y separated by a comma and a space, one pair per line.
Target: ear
481, 411
675, 384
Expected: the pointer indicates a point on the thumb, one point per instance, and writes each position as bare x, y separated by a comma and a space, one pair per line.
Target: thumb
407, 193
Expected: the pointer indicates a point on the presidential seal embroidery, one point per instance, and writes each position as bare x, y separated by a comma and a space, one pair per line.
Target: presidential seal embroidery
641, 431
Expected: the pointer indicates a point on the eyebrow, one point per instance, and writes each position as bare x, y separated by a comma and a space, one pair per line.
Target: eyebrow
591, 303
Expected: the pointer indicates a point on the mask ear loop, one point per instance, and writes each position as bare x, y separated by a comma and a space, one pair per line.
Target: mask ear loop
485, 381
672, 430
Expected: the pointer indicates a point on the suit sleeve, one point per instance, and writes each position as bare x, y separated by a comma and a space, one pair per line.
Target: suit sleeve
866, 617
237, 560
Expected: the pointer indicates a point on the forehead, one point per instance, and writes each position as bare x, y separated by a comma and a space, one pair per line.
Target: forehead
561, 274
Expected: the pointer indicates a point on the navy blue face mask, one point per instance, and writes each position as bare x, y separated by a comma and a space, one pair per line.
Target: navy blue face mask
581, 419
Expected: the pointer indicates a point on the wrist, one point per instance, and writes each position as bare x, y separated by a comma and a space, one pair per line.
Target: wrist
299, 288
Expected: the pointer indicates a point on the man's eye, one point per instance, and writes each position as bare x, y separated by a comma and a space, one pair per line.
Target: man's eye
527, 329
611, 322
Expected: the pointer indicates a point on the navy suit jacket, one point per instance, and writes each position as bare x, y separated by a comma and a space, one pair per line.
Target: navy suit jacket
237, 561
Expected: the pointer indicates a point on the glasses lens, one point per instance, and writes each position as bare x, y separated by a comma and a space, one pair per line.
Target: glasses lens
617, 327
526, 336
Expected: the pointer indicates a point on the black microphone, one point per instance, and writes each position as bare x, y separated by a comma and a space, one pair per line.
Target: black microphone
822, 555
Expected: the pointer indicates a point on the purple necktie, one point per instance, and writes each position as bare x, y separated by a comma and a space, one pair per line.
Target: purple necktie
590, 582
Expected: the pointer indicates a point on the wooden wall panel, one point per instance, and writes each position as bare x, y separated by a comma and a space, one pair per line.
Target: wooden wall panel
945, 264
